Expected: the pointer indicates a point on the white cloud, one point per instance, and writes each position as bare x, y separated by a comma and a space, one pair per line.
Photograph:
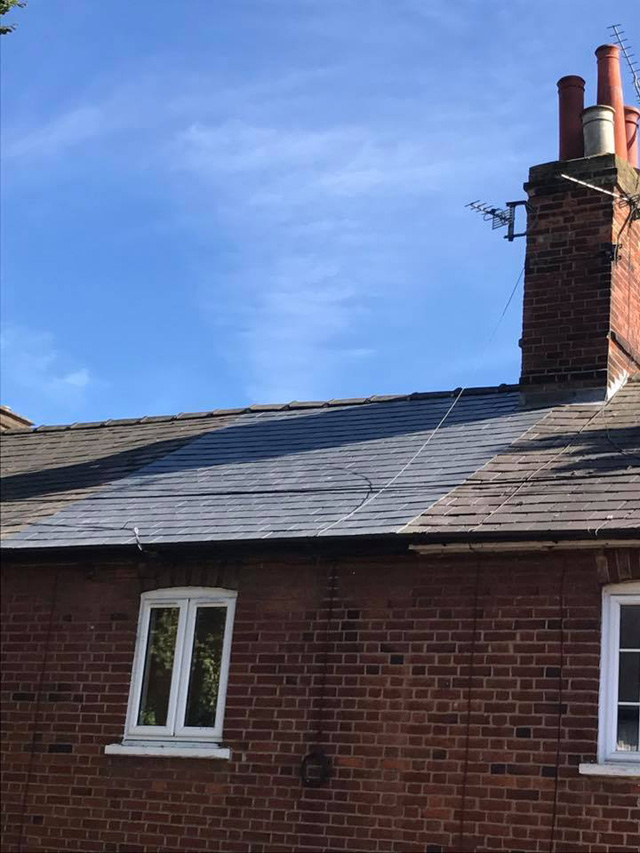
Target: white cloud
77, 379
306, 207
293, 165
65, 131
32, 361
125, 110
313, 198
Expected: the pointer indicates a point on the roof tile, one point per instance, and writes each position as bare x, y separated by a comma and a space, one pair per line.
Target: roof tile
337, 467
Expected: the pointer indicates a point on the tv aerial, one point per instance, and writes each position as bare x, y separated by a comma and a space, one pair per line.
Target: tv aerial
500, 217
632, 63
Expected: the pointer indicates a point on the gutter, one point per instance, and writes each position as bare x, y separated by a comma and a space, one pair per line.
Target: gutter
334, 546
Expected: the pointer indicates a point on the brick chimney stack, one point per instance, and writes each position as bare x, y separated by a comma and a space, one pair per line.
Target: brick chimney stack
581, 322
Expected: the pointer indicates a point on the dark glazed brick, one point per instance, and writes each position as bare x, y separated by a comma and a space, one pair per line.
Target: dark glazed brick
522, 794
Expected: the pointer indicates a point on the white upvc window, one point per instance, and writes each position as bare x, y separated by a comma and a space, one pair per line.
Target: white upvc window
619, 724
180, 672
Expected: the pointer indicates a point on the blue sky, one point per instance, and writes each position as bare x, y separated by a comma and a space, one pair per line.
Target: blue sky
219, 202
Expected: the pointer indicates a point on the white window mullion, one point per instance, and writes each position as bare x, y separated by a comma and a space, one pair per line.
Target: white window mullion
174, 697
185, 665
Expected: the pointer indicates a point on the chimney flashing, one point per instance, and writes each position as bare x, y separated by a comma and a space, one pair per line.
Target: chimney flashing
558, 394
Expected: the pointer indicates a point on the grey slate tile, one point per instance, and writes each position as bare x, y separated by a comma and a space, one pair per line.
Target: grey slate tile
296, 470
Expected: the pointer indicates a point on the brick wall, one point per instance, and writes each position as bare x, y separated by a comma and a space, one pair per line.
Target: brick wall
460, 695
575, 291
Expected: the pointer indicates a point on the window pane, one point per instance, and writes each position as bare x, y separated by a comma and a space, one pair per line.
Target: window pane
629, 678
204, 675
630, 626
628, 729
158, 666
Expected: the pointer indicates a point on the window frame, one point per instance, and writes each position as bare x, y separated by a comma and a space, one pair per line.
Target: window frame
612, 598
187, 600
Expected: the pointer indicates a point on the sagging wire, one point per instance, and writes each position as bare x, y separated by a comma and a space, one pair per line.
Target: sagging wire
476, 487
409, 490
136, 534
534, 474
431, 435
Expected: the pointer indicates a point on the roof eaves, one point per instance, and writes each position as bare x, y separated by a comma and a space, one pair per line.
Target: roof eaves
404, 542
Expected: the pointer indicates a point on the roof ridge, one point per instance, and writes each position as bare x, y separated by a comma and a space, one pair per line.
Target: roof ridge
265, 407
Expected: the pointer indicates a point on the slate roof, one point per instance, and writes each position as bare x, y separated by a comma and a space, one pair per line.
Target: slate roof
343, 468
577, 469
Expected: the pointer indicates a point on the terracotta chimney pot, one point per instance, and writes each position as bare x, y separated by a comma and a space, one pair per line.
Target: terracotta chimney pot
571, 105
631, 116
610, 92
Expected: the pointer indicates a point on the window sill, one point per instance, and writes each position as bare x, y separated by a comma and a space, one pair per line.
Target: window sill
171, 751
621, 769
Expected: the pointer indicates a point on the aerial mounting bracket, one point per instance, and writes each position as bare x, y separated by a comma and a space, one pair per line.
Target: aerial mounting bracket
511, 225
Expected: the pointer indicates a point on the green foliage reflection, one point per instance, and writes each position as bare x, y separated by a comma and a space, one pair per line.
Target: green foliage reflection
204, 678
154, 704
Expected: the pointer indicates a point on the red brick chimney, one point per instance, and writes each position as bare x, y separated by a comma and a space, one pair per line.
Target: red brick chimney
581, 323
